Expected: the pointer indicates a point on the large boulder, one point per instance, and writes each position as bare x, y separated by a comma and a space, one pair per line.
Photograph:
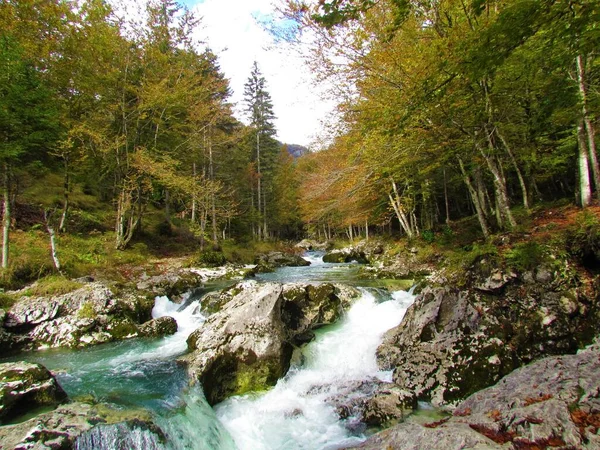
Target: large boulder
247, 345
130, 435
553, 402
87, 316
25, 387
453, 342
171, 283
310, 244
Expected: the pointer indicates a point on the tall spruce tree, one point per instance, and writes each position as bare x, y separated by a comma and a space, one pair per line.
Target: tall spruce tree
260, 111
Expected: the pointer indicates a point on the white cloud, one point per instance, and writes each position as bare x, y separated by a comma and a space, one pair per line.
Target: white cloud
229, 27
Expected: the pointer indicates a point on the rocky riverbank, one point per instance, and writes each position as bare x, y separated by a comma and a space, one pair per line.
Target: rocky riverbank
492, 341
98, 312
551, 403
471, 328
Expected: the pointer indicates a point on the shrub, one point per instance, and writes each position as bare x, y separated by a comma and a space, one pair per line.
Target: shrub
210, 258
525, 256
86, 311
6, 301
428, 236
164, 228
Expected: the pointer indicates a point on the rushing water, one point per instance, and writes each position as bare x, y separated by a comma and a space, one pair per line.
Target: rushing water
294, 414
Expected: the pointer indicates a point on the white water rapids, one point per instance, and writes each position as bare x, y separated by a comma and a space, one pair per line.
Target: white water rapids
294, 414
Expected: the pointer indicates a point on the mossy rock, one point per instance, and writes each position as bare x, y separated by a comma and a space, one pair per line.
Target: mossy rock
122, 329
25, 387
335, 257
231, 375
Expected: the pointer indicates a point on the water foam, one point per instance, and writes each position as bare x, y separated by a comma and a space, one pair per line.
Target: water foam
294, 414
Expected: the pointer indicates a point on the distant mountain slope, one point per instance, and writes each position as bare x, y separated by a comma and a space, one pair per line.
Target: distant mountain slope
296, 150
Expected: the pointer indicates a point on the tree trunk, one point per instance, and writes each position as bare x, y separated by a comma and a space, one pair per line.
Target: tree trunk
167, 206
517, 169
52, 234
129, 216
400, 213
589, 127
585, 190
194, 194
65, 212
499, 184
213, 201
120, 220
475, 199
258, 184
447, 203
203, 218
264, 216
367, 230
6, 217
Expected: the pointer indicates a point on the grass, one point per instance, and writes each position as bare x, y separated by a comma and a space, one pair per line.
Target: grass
6, 300
51, 285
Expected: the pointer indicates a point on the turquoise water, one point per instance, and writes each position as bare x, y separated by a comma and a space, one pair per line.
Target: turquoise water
294, 414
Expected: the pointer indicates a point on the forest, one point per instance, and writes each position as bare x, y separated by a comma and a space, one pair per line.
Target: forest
453, 108
122, 128
120, 135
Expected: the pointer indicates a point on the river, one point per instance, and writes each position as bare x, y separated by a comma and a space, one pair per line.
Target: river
143, 373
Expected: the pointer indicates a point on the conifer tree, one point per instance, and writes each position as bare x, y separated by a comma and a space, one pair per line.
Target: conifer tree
259, 108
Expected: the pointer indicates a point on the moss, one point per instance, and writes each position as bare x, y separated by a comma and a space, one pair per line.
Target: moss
52, 285
336, 257
87, 311
296, 294
122, 329
208, 258
255, 378
111, 415
583, 240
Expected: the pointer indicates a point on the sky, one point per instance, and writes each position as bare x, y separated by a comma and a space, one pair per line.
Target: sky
233, 30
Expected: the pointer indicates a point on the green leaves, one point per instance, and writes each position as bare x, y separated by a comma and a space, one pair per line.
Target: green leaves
28, 119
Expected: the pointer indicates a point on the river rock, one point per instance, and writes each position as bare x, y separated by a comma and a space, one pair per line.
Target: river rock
172, 282
93, 298
87, 316
553, 402
310, 244
130, 435
412, 436
24, 387
248, 344
163, 326
345, 255
270, 261
453, 342
371, 402
70, 426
